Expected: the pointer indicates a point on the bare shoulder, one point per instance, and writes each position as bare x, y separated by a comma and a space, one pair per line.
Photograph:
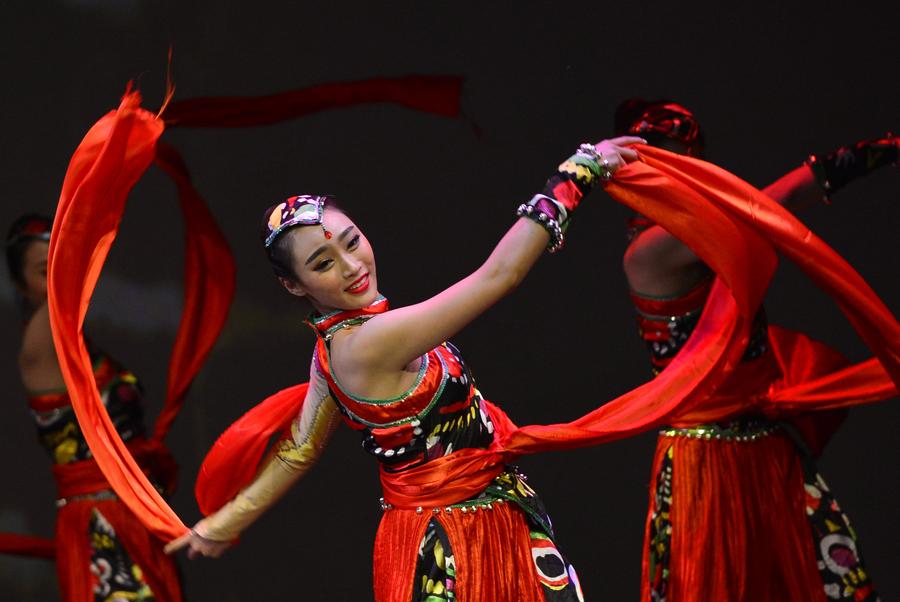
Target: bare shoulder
358, 371
37, 340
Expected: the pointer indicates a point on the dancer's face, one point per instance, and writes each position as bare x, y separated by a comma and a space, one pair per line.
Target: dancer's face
336, 273
34, 273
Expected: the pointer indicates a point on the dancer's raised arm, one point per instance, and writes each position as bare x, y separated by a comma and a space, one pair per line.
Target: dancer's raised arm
391, 340
658, 264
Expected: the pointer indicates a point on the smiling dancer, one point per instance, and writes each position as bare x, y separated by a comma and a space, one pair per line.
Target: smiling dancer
737, 510
410, 394
449, 481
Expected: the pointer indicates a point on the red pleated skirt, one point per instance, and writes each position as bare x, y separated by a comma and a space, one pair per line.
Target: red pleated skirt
739, 529
74, 551
492, 550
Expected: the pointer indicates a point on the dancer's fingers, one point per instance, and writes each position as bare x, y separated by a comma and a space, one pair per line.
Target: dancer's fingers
628, 154
178, 543
623, 140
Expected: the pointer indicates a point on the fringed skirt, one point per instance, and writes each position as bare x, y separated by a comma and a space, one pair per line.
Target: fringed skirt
105, 553
737, 513
496, 547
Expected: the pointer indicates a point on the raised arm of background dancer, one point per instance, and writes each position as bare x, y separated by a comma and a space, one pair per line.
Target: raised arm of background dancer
38, 363
823, 175
392, 340
291, 459
658, 264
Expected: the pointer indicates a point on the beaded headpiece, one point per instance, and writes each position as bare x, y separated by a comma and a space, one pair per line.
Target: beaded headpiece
302, 210
672, 121
29, 227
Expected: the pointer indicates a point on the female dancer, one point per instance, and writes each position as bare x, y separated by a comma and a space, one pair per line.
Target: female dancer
729, 501
393, 377
102, 552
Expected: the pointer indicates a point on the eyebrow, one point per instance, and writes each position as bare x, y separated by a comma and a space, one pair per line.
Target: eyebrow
344, 233
322, 249
315, 254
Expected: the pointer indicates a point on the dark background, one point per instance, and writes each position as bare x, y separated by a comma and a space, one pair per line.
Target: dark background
770, 83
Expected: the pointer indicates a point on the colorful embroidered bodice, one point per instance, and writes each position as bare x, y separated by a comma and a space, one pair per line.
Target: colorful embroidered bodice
440, 413
57, 427
665, 324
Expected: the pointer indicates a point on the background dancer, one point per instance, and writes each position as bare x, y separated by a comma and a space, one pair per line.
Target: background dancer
102, 551
716, 526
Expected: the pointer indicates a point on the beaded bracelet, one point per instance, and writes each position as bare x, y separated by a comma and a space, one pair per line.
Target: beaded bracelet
548, 222
590, 151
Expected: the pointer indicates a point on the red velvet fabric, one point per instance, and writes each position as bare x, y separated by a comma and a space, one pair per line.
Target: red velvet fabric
209, 283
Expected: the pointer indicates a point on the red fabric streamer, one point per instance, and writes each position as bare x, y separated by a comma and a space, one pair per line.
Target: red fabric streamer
106, 165
736, 230
27, 545
238, 450
431, 94
209, 283
730, 225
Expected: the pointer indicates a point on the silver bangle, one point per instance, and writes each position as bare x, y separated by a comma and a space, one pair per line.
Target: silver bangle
545, 221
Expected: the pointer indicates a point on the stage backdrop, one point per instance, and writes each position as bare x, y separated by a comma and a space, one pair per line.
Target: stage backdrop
770, 83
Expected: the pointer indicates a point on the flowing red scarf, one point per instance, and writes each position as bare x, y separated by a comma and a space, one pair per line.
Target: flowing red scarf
733, 227
109, 161
738, 232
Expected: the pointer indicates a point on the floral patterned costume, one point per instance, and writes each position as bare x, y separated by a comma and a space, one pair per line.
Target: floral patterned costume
495, 545
103, 553
715, 523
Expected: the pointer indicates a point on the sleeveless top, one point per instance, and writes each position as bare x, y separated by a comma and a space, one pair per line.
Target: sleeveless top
441, 413
57, 427
665, 324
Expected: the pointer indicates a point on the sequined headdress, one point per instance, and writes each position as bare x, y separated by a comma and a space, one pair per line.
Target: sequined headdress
672, 121
302, 210
29, 227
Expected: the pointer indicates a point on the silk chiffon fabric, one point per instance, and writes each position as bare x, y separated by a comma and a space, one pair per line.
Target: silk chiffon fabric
738, 232
108, 162
731, 226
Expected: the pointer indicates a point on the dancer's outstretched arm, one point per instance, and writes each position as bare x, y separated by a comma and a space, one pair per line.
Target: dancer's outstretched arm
658, 264
290, 461
388, 342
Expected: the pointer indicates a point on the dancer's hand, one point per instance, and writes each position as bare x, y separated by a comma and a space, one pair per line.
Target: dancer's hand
197, 544
616, 151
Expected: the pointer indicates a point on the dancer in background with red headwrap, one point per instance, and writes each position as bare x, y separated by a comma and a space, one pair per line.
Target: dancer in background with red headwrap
102, 551
738, 510
736, 230
101, 547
